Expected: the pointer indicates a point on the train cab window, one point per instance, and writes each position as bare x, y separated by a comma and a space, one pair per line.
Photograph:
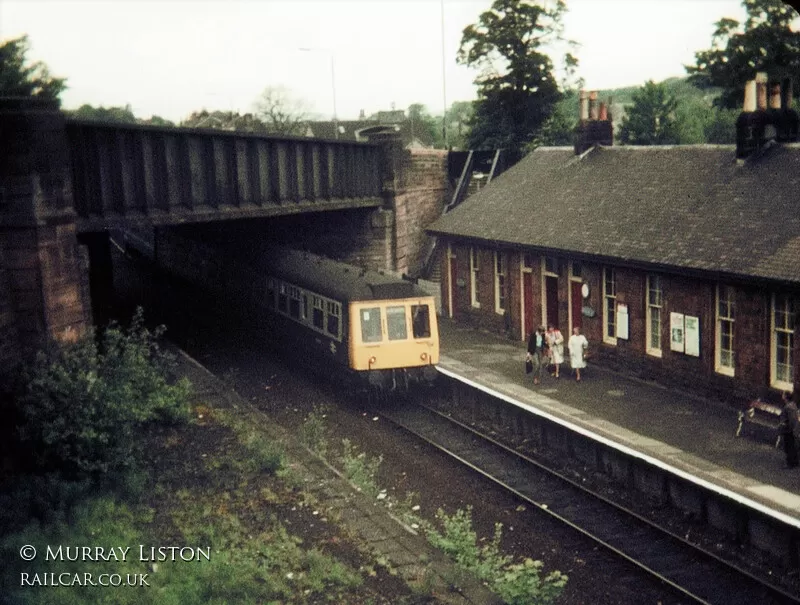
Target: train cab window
318, 314
283, 300
396, 323
371, 324
333, 318
421, 321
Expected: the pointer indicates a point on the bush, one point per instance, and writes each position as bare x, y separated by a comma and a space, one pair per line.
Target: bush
83, 404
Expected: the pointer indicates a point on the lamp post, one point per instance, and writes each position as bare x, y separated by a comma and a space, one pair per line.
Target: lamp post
333, 85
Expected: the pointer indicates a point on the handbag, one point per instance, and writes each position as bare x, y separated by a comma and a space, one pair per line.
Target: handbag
528, 366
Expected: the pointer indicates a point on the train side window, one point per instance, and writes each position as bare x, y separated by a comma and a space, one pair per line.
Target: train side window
333, 319
318, 314
371, 324
283, 301
396, 323
294, 302
271, 293
421, 321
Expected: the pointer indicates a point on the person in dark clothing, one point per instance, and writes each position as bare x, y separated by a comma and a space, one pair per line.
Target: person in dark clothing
537, 351
788, 428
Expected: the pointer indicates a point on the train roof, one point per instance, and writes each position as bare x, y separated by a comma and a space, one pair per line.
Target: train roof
336, 279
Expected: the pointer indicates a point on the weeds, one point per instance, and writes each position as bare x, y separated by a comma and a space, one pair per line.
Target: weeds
313, 433
517, 583
360, 469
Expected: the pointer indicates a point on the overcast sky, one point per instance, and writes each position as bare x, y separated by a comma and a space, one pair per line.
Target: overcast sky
170, 57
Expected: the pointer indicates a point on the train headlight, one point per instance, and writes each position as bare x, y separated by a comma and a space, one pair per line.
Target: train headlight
423, 356
372, 360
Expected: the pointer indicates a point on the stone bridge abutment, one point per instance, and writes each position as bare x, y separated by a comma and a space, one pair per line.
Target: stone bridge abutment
65, 185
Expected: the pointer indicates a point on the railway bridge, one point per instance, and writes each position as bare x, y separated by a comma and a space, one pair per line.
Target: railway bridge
66, 184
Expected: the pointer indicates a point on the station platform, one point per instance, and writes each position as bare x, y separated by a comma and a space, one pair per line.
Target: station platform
696, 436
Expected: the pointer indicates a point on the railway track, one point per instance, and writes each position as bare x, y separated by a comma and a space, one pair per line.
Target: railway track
696, 575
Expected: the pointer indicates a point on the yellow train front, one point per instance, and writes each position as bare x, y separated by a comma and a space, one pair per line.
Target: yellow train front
366, 327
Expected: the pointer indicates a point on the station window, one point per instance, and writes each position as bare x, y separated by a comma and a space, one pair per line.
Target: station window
783, 326
474, 267
654, 296
283, 301
726, 315
318, 314
304, 307
371, 324
609, 305
551, 266
334, 312
421, 321
499, 282
396, 323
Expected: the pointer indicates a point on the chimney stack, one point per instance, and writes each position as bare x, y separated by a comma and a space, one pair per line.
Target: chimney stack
766, 115
595, 124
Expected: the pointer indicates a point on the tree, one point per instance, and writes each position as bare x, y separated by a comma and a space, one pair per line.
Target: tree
516, 86
424, 126
20, 78
765, 43
651, 119
559, 128
122, 115
281, 112
457, 119
225, 120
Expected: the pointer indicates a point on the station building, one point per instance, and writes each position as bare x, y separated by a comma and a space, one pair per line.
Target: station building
680, 264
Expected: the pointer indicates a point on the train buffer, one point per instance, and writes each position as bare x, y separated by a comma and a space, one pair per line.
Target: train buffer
760, 419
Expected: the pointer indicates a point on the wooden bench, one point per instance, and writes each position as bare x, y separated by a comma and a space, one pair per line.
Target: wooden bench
761, 419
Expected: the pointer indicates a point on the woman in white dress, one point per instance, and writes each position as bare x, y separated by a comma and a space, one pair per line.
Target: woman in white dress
577, 346
555, 342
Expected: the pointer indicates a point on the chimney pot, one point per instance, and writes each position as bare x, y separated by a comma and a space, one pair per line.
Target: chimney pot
584, 105
593, 105
603, 111
761, 91
749, 96
775, 95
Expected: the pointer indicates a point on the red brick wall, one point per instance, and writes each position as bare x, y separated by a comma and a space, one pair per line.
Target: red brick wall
680, 294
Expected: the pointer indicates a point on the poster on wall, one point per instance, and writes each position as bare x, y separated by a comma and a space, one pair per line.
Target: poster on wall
676, 331
622, 321
692, 335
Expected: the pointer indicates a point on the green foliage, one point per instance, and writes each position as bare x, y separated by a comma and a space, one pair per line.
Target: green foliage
313, 431
652, 119
457, 118
516, 583
765, 42
83, 403
559, 128
516, 86
251, 568
360, 469
20, 78
424, 126
120, 115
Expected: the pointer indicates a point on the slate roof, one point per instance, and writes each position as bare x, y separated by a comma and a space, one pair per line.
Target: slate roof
690, 207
